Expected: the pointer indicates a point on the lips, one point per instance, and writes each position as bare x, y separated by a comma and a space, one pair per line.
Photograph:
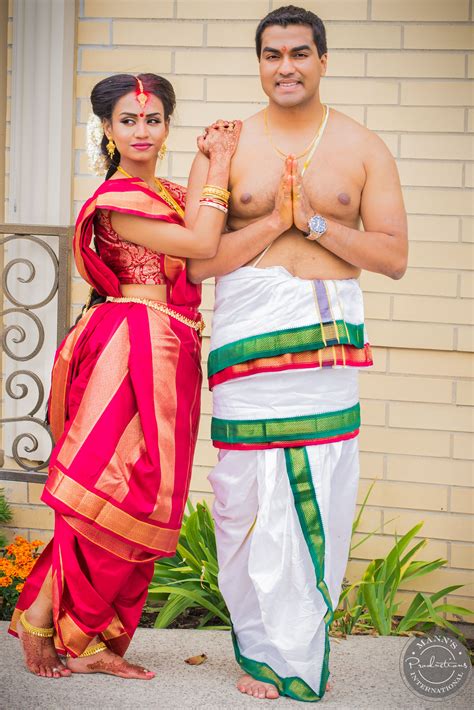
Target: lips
141, 146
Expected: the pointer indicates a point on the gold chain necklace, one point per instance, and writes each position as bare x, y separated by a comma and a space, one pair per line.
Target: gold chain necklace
162, 192
313, 140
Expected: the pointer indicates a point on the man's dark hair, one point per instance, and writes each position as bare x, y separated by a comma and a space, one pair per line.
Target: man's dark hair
292, 15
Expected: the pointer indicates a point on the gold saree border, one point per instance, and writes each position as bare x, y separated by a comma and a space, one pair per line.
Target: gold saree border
118, 548
60, 376
106, 515
101, 388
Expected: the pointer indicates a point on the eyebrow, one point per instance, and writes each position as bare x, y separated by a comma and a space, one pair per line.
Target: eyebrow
293, 49
134, 115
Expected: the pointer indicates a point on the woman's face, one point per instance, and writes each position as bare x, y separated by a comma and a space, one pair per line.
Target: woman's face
138, 133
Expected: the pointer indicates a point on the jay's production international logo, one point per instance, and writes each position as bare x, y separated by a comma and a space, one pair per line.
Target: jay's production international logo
435, 666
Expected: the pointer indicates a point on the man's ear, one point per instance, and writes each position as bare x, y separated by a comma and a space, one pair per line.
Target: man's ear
324, 64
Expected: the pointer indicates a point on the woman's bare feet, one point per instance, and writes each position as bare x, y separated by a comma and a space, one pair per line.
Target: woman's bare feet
108, 662
40, 655
257, 688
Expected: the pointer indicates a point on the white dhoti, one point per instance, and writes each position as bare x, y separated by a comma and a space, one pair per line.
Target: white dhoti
286, 418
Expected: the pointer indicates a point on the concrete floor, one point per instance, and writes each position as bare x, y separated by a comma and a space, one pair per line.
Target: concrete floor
365, 676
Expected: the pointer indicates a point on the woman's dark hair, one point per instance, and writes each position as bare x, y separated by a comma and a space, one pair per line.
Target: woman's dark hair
292, 15
107, 92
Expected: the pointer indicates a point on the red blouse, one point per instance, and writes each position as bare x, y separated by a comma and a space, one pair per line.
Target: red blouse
131, 263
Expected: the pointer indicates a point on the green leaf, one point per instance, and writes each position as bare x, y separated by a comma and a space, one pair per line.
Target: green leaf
419, 569
200, 599
453, 609
173, 608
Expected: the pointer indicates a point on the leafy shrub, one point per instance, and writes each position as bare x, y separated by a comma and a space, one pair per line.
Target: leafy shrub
189, 579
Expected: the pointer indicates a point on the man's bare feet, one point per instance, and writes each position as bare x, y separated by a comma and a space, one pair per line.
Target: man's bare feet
108, 662
257, 688
40, 655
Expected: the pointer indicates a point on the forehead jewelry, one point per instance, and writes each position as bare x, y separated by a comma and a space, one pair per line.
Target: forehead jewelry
142, 97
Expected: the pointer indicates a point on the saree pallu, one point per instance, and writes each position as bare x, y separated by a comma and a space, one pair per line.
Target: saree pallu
124, 412
283, 369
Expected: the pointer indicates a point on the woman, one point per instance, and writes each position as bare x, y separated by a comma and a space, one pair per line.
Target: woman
124, 405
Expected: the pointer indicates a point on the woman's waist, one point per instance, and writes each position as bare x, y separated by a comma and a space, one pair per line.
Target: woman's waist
152, 292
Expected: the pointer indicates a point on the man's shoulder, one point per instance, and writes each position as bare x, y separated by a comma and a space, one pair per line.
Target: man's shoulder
357, 134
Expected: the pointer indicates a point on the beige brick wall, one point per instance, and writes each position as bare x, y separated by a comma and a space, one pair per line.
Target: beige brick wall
402, 68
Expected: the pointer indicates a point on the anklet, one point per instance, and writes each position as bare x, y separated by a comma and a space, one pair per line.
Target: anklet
92, 650
44, 633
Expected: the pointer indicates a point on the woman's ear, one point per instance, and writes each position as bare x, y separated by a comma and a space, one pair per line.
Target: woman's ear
107, 126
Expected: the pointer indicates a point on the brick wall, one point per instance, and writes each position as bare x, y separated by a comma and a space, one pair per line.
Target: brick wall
403, 69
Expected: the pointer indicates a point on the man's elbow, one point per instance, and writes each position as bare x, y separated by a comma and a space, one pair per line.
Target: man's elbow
396, 270
195, 273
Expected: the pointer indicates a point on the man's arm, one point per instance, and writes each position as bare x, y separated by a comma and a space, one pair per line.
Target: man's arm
383, 246
239, 247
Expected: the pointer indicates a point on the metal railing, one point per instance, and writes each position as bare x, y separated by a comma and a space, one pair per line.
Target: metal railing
53, 245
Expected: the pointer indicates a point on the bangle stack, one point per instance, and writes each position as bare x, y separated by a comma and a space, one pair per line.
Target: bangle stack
215, 196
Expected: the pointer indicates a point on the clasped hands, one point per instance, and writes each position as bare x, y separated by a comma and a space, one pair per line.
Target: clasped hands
292, 205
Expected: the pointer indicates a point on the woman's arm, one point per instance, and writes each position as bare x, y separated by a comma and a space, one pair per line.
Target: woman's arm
237, 248
200, 241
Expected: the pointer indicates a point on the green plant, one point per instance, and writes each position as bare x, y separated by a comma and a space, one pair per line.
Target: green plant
189, 579
370, 604
5, 515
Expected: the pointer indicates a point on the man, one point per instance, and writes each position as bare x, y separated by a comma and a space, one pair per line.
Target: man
287, 340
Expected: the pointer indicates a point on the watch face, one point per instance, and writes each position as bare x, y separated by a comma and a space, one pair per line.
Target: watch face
317, 224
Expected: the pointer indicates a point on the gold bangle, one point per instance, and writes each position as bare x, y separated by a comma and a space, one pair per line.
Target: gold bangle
92, 650
216, 190
44, 633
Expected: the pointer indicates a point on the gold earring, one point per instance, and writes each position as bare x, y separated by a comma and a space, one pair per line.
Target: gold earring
110, 148
162, 151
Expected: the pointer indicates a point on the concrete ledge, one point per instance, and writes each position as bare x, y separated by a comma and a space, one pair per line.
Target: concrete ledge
364, 676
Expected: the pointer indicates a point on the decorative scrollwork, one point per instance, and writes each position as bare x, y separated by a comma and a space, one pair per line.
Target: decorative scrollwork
32, 271
25, 330
25, 461
21, 334
23, 390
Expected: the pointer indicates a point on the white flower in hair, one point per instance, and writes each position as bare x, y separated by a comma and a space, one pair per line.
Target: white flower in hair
95, 133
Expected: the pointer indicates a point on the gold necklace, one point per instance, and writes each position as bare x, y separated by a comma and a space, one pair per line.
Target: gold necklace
162, 192
313, 140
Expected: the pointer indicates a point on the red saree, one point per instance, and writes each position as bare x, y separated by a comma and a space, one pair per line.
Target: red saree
124, 411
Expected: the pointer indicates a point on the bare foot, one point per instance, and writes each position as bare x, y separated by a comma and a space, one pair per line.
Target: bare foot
108, 662
257, 688
40, 655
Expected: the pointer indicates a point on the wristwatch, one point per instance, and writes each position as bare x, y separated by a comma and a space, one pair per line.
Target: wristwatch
317, 226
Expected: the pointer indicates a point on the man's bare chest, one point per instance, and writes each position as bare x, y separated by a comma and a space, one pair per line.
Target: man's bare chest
333, 183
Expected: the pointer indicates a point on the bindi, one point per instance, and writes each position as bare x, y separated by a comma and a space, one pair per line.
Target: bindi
344, 198
284, 48
246, 197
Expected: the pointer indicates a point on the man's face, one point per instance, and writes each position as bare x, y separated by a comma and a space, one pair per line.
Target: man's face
290, 68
